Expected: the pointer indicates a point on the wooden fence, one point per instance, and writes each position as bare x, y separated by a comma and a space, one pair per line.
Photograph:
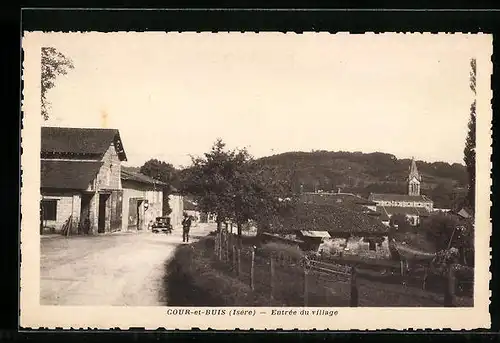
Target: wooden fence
302, 281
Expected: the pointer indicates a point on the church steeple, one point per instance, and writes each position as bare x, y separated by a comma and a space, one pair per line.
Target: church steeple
414, 179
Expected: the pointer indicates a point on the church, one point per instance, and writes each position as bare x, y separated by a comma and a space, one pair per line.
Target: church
413, 205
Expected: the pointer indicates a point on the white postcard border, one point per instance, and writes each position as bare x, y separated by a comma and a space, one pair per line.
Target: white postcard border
33, 315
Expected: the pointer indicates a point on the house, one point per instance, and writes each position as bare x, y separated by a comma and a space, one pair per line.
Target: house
176, 203
142, 200
334, 228
413, 214
346, 199
413, 205
80, 183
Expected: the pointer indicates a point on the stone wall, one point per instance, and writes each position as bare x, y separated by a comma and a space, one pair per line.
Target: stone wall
142, 191
355, 246
67, 205
109, 175
176, 203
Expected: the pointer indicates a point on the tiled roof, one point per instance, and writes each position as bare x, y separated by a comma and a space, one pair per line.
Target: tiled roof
315, 234
335, 198
398, 197
68, 174
464, 213
80, 141
414, 211
331, 218
128, 175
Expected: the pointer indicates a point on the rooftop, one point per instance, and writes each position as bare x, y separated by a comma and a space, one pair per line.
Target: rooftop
335, 198
415, 211
398, 197
332, 218
80, 141
75, 175
129, 175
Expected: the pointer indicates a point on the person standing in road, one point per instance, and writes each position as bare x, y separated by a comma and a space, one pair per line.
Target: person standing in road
186, 225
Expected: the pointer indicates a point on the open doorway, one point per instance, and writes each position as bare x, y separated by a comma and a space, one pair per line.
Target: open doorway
101, 222
85, 213
140, 214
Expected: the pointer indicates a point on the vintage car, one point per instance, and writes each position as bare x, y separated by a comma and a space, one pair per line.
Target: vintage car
162, 224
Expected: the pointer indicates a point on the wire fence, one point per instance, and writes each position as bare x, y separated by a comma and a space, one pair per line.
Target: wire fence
290, 280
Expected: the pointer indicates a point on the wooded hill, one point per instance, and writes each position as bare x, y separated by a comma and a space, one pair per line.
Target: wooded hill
365, 173
353, 172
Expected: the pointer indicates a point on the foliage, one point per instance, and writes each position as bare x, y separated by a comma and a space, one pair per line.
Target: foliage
401, 221
225, 182
470, 142
164, 172
53, 64
283, 249
160, 170
362, 174
416, 240
448, 231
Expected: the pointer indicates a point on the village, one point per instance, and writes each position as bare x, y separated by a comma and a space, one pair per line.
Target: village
176, 178
91, 203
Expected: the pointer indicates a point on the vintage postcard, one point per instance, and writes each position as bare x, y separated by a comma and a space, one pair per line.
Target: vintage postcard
255, 180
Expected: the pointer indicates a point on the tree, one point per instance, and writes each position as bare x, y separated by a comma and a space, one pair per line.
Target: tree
470, 142
402, 222
448, 231
53, 63
208, 179
229, 184
164, 172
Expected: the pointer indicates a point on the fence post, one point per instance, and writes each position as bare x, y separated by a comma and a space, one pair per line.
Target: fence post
234, 258
220, 246
449, 291
354, 301
252, 270
216, 243
227, 248
272, 276
238, 267
306, 286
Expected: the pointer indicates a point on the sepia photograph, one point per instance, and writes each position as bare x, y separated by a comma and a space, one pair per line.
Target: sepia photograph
256, 180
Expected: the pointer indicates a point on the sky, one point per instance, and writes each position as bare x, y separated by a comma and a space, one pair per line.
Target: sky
172, 95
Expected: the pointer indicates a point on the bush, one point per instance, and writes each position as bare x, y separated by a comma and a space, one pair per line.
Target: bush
282, 249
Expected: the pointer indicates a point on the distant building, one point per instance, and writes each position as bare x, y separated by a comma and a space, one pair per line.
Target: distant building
80, 185
142, 200
191, 208
329, 227
413, 205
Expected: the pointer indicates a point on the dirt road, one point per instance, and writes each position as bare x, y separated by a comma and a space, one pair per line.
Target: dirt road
122, 269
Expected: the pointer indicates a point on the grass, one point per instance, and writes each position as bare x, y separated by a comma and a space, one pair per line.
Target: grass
191, 279
195, 277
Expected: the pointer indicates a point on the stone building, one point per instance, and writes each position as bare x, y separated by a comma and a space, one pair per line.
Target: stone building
413, 205
143, 201
80, 185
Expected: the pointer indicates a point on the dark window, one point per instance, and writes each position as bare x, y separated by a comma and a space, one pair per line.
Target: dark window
372, 245
49, 209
